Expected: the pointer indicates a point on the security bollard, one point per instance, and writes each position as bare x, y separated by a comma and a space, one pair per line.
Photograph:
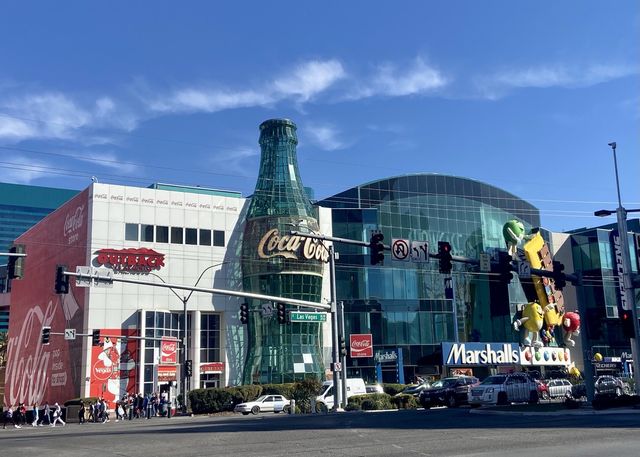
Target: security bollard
292, 406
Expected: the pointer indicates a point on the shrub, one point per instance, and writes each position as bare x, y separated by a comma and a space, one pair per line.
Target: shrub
405, 401
393, 389
305, 392
369, 402
286, 390
211, 400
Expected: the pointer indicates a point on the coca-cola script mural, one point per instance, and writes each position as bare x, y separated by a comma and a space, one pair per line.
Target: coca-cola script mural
35, 372
113, 365
361, 345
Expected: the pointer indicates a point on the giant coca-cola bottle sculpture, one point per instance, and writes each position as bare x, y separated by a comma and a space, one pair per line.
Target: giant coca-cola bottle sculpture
274, 263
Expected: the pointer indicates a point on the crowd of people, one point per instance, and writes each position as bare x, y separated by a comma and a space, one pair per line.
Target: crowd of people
18, 416
129, 407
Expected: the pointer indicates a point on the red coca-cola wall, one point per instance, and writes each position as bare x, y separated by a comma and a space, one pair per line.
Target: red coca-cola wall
35, 372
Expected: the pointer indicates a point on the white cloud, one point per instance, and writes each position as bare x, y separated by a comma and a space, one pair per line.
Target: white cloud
306, 81
309, 79
108, 160
389, 80
235, 158
23, 170
545, 76
52, 115
326, 137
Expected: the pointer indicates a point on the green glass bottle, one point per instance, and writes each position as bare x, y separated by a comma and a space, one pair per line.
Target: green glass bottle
273, 263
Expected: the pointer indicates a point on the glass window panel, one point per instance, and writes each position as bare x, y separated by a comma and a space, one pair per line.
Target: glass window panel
162, 234
218, 238
177, 235
205, 237
146, 233
131, 232
191, 236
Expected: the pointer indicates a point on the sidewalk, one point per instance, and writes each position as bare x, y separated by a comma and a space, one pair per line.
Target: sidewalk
560, 412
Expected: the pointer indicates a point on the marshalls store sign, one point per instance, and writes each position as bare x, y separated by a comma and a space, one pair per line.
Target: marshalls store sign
480, 353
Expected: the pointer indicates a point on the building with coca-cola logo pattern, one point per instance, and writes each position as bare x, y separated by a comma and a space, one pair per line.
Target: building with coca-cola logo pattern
173, 234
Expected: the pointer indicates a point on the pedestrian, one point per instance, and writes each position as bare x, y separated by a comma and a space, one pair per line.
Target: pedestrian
34, 423
7, 416
57, 415
20, 415
148, 406
46, 414
81, 412
104, 409
92, 412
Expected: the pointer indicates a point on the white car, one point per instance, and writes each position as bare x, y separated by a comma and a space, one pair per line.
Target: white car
559, 387
502, 389
265, 404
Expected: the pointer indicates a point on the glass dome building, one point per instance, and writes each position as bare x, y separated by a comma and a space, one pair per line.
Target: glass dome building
403, 304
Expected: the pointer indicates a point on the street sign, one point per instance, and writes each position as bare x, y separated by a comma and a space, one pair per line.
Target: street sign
400, 250
485, 262
84, 282
302, 316
420, 251
337, 366
524, 269
266, 309
69, 333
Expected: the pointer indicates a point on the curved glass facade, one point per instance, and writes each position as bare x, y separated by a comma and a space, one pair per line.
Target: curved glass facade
403, 304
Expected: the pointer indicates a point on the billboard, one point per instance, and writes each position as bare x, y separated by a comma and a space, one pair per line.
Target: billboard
35, 372
168, 350
113, 365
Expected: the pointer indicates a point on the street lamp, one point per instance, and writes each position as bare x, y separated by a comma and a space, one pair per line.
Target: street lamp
185, 339
627, 283
338, 386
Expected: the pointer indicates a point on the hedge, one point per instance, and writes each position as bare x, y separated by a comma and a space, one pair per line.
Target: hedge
393, 389
369, 402
215, 400
405, 401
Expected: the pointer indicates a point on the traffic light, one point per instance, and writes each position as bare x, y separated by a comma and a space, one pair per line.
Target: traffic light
343, 347
504, 267
62, 280
559, 277
444, 256
95, 338
281, 310
377, 248
188, 368
46, 334
15, 265
244, 313
626, 317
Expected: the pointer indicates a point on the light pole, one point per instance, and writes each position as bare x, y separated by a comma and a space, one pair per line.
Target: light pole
185, 337
626, 287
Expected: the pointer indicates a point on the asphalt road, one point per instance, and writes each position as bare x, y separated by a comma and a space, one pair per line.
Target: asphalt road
438, 432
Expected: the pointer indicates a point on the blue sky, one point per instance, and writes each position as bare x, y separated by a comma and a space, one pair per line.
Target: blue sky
519, 94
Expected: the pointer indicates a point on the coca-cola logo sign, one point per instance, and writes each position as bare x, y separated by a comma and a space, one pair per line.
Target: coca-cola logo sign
361, 345
274, 244
169, 351
131, 259
72, 224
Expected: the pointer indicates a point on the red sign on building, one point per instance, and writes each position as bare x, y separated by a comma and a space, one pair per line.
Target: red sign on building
131, 259
168, 350
361, 345
213, 367
167, 373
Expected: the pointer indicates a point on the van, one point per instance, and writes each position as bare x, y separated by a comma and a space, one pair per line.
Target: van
355, 386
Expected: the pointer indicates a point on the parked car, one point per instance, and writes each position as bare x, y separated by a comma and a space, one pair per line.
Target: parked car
543, 390
324, 401
603, 385
449, 392
264, 404
374, 389
414, 389
559, 387
502, 389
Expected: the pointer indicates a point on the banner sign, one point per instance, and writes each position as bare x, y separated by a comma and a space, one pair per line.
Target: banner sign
361, 345
168, 350
616, 250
